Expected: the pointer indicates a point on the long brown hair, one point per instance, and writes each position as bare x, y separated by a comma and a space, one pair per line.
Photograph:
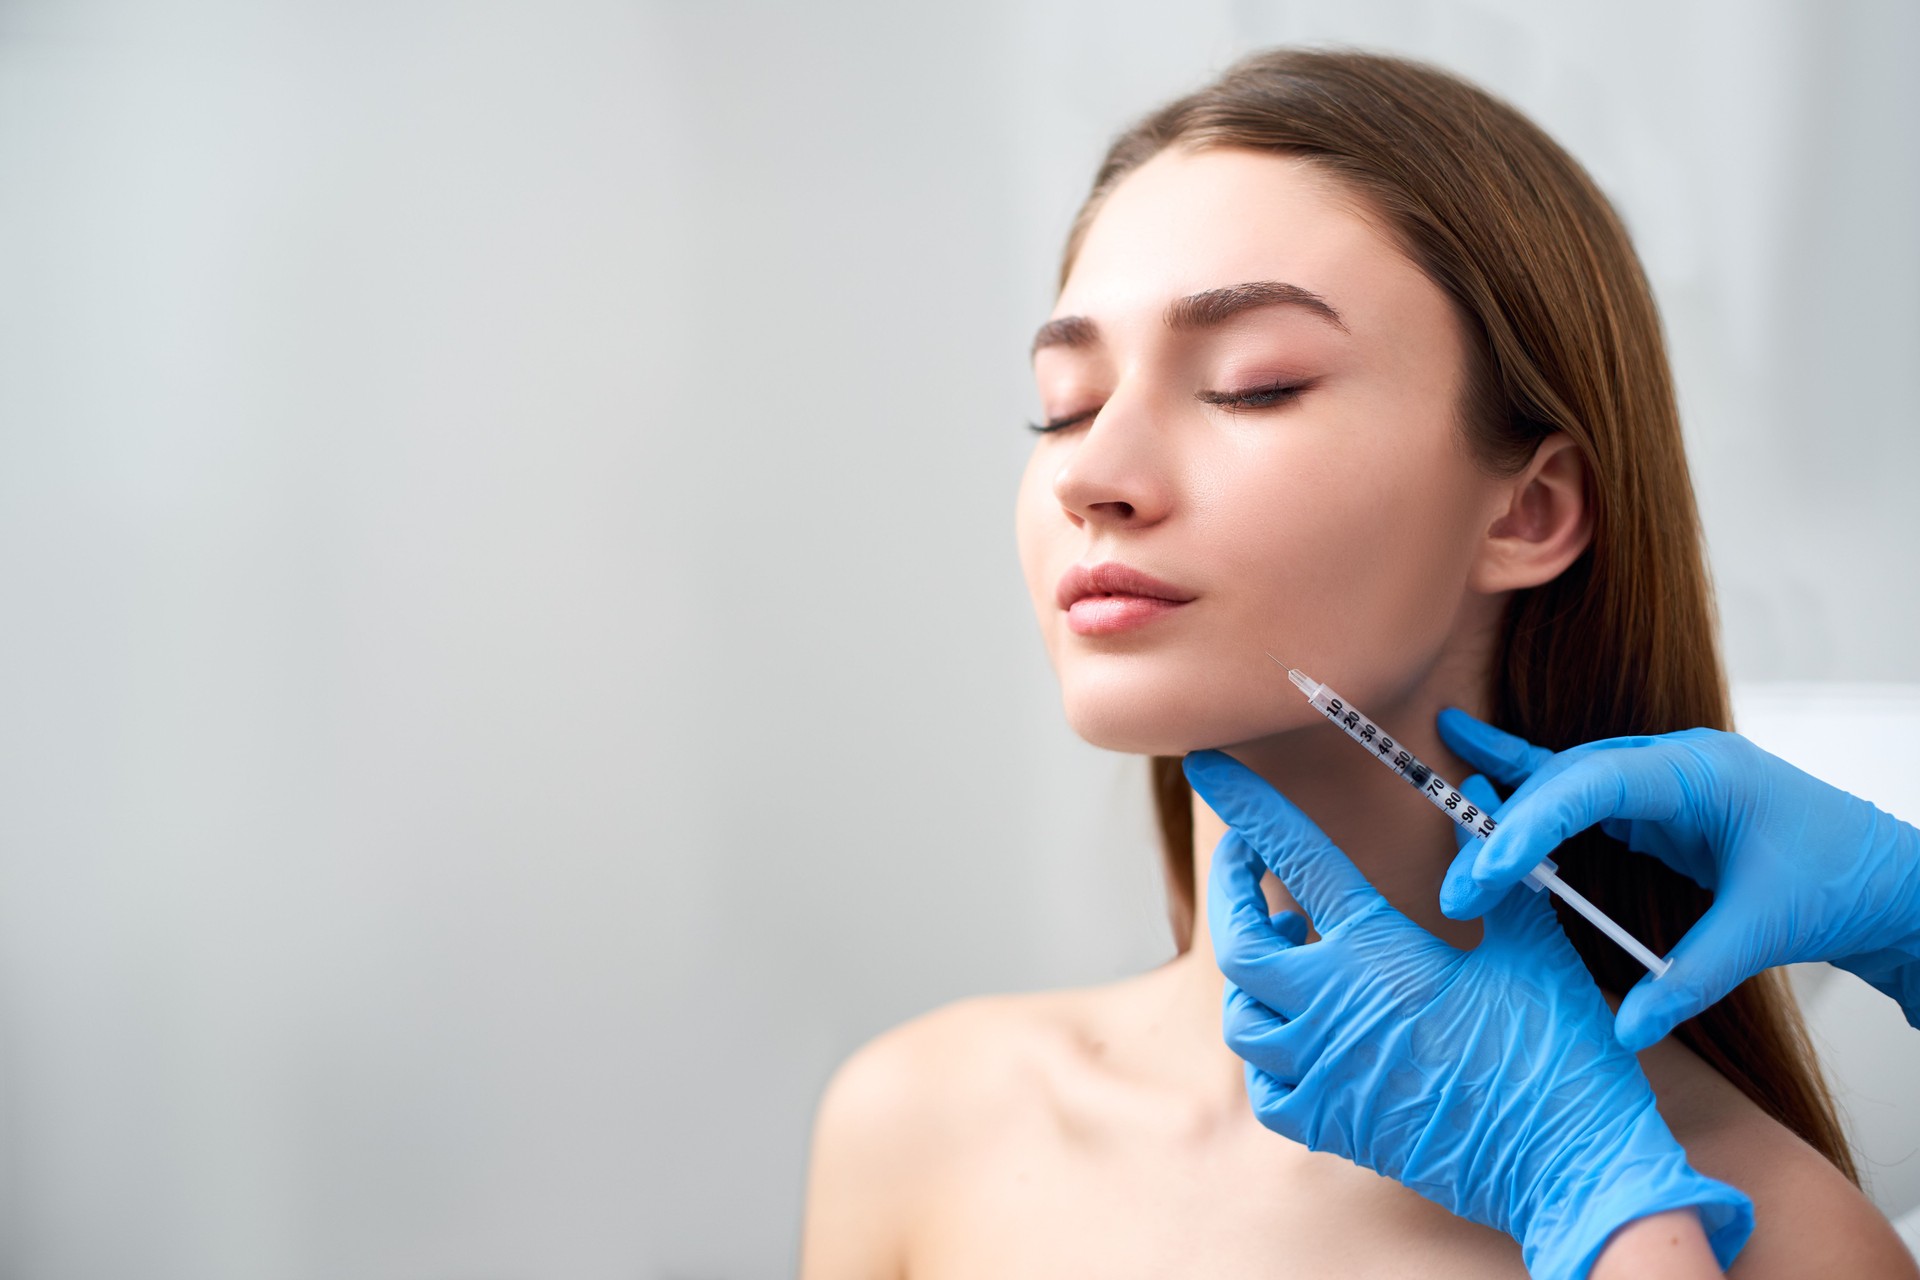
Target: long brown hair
1563, 337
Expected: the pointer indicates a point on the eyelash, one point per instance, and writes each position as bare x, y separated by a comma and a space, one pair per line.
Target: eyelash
1252, 398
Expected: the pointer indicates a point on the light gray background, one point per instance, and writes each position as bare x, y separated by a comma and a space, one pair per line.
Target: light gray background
514, 659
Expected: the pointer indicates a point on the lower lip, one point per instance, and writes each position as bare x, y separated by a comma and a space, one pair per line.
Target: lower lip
1105, 615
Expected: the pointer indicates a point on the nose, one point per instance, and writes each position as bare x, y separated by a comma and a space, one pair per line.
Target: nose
1116, 473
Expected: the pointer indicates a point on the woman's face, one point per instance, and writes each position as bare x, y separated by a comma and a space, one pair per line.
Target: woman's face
1263, 394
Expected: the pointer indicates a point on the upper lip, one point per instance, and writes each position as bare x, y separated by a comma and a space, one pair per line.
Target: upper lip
1111, 578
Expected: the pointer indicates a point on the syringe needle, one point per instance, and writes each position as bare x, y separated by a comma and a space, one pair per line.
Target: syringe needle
1305, 683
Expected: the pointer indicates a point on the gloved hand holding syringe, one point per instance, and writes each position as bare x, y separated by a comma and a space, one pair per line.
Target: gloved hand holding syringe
1486, 1079
1491, 1080
1450, 801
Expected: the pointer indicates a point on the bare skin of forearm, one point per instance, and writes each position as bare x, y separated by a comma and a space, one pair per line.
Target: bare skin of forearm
1660, 1246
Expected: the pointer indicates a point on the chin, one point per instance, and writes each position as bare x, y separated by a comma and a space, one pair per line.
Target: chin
1150, 721
1134, 735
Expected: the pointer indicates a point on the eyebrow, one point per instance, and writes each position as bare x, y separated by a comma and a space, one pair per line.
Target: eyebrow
1198, 311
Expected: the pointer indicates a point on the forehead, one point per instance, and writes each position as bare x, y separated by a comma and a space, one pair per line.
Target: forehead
1189, 221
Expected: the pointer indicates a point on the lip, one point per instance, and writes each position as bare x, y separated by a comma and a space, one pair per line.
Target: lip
1111, 578
1105, 598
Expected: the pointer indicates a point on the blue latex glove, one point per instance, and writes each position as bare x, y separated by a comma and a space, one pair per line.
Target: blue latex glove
1800, 870
1488, 1081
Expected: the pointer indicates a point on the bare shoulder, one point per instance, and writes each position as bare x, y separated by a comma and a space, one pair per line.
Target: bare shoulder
1808, 1219
908, 1102
932, 1071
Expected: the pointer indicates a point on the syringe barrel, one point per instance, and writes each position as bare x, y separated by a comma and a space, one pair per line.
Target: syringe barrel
1445, 796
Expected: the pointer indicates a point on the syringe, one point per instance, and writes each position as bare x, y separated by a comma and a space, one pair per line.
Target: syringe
1447, 798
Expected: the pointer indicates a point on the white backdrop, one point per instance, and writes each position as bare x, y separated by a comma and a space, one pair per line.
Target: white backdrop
514, 659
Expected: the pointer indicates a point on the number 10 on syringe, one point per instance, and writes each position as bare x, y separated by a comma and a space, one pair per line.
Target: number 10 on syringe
1448, 799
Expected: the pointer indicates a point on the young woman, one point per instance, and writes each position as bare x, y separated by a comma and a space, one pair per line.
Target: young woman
1350, 364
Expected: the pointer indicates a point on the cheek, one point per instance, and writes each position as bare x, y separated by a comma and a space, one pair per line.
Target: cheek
1356, 562
1343, 554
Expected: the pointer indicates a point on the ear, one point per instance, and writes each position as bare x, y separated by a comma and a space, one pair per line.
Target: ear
1544, 525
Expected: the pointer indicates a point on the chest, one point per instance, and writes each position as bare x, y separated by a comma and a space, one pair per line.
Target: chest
1248, 1205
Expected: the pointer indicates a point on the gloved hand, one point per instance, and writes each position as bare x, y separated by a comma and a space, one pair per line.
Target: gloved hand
1487, 1080
1800, 870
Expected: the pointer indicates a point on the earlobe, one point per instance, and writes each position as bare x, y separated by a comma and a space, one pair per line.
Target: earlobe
1545, 524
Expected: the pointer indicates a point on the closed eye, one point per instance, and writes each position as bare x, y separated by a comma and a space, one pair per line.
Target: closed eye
1254, 397
1060, 424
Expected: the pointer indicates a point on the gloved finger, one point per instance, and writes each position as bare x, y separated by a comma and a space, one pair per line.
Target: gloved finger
1577, 789
1268, 1095
1315, 872
1622, 829
1718, 954
1681, 845
1306, 1113
1280, 1046
1481, 794
1290, 925
1506, 758
1247, 942
1477, 789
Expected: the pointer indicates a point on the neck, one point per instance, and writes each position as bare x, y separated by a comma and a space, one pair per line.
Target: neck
1388, 829
1392, 833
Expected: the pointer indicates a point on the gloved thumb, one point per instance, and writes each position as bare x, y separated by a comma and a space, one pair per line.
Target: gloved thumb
1707, 963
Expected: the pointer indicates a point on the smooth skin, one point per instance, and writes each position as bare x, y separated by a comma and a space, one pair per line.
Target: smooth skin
1107, 1130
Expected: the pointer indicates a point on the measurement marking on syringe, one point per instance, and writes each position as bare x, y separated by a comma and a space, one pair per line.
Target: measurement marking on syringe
1451, 801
